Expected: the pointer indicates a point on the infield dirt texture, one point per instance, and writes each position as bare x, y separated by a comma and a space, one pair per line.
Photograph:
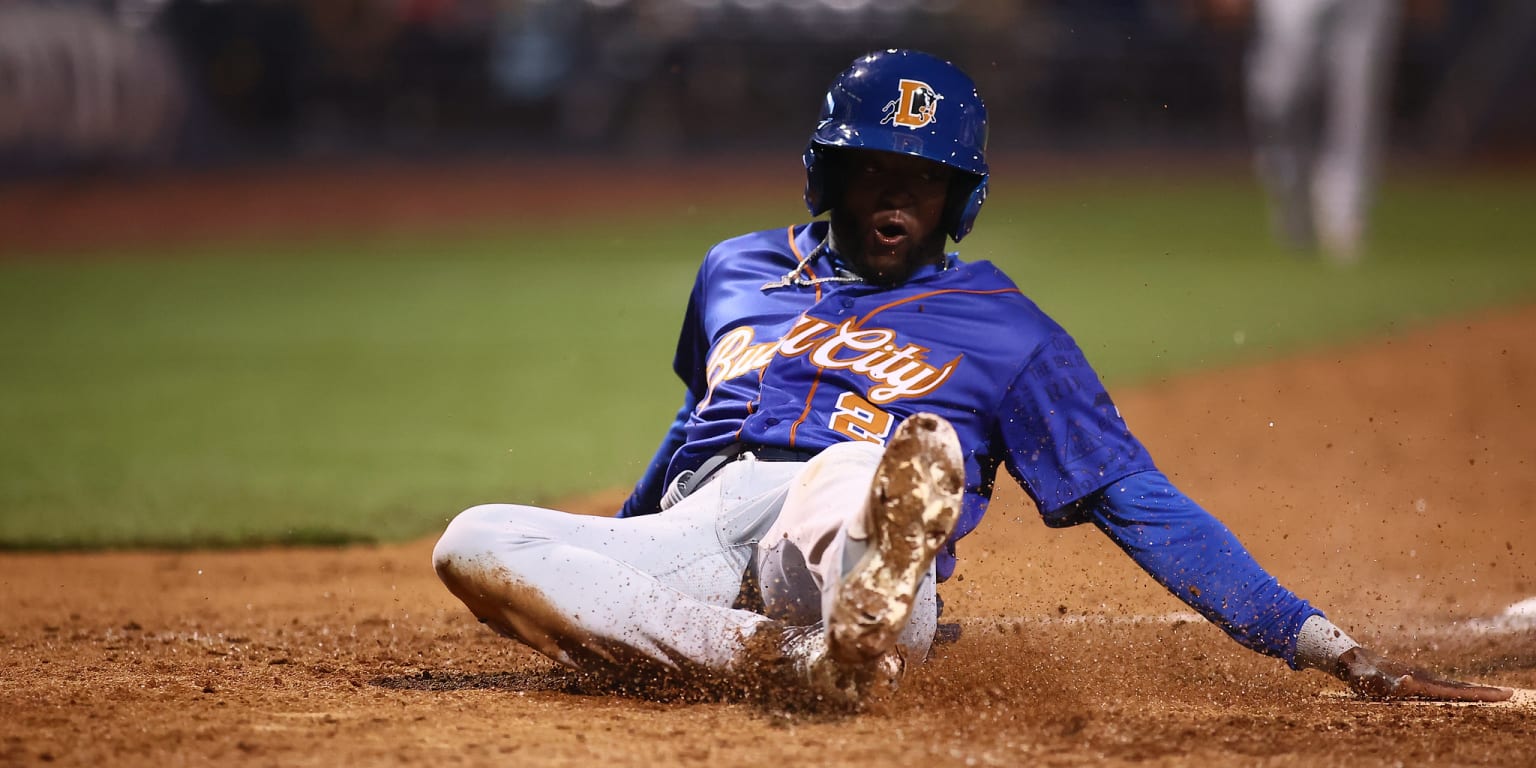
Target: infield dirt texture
1392, 483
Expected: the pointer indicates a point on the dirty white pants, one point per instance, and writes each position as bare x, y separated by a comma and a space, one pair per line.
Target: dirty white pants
603, 594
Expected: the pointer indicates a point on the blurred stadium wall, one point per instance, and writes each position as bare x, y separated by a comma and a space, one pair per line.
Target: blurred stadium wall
132, 84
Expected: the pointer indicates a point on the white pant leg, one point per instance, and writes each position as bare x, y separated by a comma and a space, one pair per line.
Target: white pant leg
1362, 40
1284, 98
598, 593
1284, 64
802, 558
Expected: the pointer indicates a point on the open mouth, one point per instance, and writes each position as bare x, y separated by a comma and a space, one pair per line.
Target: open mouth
890, 233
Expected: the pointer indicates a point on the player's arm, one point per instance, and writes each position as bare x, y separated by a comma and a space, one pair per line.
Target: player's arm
688, 364
1065, 439
1194, 556
1201, 562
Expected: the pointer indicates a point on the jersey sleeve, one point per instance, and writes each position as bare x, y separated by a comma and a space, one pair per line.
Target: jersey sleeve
1201, 562
688, 364
645, 499
1063, 436
693, 339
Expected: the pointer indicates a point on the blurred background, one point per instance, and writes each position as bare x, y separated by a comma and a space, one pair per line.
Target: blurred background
104, 85
315, 271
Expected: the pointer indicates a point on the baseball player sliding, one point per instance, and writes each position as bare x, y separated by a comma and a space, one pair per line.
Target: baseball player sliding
851, 391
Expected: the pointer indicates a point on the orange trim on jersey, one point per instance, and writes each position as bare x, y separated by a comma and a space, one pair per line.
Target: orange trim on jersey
810, 397
752, 404
899, 302
789, 234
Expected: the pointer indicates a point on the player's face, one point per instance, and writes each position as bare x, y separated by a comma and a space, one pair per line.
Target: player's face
890, 212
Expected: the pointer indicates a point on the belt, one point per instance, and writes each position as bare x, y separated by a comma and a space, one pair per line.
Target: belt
689, 481
775, 453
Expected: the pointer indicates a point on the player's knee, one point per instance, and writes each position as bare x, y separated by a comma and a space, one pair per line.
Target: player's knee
463, 541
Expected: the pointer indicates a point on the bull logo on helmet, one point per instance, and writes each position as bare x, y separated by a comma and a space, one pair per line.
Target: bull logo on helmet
914, 107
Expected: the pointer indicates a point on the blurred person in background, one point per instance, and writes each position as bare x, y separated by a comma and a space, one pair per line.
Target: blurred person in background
1317, 95
80, 85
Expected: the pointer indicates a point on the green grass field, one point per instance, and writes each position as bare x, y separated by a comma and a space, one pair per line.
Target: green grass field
367, 390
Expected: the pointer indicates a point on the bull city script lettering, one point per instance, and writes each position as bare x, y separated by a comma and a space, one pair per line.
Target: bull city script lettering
897, 371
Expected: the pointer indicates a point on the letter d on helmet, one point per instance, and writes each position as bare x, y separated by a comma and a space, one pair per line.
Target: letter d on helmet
910, 103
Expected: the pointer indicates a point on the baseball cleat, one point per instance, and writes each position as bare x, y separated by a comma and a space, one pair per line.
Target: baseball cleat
832, 682
914, 503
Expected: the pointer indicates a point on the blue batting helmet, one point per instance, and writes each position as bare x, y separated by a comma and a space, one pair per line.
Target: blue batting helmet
911, 103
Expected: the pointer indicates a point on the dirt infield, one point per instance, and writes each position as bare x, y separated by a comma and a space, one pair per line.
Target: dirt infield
1393, 484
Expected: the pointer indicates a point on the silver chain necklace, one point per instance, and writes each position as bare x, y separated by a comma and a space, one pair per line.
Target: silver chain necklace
796, 278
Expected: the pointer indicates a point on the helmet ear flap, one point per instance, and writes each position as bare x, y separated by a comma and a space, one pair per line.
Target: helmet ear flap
824, 175
965, 200
816, 198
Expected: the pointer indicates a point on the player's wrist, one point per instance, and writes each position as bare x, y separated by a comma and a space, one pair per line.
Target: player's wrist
1320, 643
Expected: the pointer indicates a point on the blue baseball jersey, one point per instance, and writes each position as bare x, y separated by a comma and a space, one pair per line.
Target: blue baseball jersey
810, 363
778, 349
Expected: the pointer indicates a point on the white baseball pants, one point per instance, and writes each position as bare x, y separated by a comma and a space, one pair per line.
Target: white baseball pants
606, 594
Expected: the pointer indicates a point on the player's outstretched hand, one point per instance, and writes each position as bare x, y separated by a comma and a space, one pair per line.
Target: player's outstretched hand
1375, 677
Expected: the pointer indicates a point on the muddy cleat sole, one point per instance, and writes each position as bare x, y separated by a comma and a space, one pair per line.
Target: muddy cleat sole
828, 683
914, 504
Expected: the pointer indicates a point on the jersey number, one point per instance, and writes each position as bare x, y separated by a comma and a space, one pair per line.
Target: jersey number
858, 419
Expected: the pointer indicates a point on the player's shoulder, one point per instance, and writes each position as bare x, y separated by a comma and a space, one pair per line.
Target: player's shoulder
769, 246
989, 294
985, 279
985, 275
